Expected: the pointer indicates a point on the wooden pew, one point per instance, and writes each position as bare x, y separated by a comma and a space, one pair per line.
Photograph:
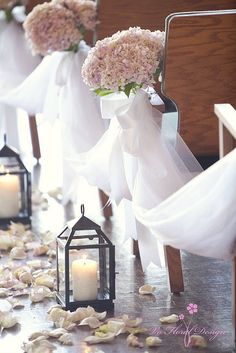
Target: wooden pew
199, 64
199, 70
226, 115
116, 15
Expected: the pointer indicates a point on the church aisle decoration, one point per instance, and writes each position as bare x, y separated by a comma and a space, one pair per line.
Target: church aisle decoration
134, 162
56, 89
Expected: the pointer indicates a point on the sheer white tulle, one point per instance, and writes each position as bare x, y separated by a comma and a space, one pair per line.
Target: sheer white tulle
56, 89
200, 217
135, 161
16, 63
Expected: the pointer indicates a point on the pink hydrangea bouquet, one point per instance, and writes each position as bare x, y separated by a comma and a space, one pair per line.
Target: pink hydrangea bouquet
126, 61
59, 25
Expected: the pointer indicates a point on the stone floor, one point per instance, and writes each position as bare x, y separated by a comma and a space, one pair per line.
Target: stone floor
207, 283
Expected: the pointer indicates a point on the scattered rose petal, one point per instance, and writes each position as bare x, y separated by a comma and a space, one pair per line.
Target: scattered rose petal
37, 334
28, 236
8, 320
171, 319
57, 332
66, 339
56, 314
38, 264
65, 323
136, 330
81, 313
51, 253
116, 327
8, 283
37, 197
92, 322
19, 286
146, 289
153, 341
39, 345
109, 337
26, 277
133, 341
6, 242
38, 293
17, 229
57, 306
131, 322
32, 245
100, 316
56, 193
198, 341
40, 250
17, 272
45, 280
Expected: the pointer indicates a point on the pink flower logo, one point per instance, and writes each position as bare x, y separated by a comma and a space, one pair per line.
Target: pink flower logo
181, 316
192, 308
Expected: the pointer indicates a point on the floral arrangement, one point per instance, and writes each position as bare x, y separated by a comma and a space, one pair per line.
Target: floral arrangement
126, 61
59, 25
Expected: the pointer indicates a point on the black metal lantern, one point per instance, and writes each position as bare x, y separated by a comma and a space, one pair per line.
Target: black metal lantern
15, 188
85, 266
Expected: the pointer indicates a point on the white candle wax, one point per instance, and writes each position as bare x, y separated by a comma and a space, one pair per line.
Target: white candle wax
9, 196
84, 278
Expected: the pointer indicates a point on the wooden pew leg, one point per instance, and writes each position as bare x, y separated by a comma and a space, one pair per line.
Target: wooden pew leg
136, 249
234, 298
107, 209
174, 266
34, 137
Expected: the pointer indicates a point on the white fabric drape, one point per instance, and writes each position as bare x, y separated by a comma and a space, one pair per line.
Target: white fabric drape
135, 161
16, 63
200, 217
56, 89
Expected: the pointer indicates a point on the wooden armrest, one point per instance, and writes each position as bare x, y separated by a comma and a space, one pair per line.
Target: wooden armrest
227, 116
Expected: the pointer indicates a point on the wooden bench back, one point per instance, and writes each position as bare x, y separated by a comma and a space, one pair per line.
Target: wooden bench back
200, 70
115, 15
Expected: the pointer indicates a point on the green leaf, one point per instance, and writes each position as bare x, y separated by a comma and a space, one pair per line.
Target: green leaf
8, 14
128, 88
103, 92
74, 48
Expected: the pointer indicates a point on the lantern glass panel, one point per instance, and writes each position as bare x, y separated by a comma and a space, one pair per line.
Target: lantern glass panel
61, 266
16, 188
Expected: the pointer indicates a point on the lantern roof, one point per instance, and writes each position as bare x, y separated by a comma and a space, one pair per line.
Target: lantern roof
85, 223
7, 151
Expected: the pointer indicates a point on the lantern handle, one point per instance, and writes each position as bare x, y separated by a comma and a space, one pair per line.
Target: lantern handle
82, 209
5, 139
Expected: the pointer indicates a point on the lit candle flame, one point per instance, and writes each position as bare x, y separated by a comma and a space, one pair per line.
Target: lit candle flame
84, 257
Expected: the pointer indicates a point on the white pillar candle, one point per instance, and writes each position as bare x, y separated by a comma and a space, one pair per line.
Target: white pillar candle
9, 196
84, 278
